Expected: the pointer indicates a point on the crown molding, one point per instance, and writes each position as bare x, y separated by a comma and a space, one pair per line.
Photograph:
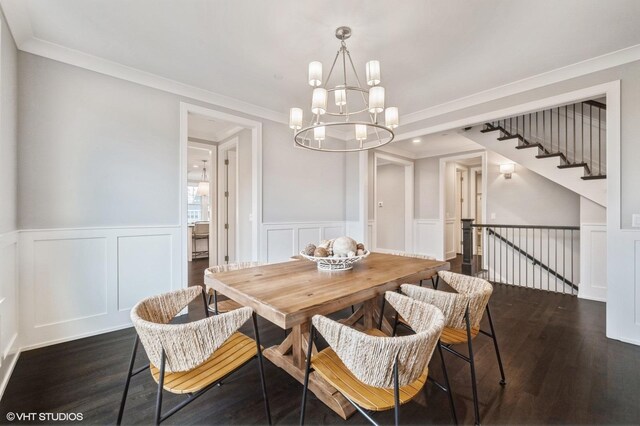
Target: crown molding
17, 15
588, 66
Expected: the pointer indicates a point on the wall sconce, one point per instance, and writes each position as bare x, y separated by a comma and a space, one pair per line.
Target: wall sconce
507, 169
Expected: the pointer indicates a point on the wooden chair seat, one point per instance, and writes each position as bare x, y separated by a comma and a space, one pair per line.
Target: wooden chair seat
235, 352
329, 366
452, 336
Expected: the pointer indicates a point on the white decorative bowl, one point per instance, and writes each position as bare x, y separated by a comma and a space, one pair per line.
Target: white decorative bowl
335, 263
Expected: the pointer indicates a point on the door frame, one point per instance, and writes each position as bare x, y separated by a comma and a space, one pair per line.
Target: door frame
473, 203
256, 175
408, 200
442, 180
464, 204
222, 148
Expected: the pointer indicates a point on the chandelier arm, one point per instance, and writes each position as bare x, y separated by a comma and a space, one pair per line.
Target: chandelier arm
331, 69
354, 69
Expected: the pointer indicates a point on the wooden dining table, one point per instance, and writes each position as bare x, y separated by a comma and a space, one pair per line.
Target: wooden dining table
289, 294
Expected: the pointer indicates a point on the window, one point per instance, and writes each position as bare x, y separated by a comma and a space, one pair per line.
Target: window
196, 211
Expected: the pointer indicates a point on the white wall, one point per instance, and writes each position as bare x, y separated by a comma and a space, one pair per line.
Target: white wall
390, 220
9, 326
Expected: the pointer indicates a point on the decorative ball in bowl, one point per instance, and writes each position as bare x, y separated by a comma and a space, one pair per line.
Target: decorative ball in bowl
335, 255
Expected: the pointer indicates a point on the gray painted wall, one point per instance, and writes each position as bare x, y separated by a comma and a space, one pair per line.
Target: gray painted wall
427, 188
527, 198
8, 132
98, 151
390, 218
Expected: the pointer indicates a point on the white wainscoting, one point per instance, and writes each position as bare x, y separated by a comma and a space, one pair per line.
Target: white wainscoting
450, 239
593, 262
81, 282
427, 239
9, 350
282, 240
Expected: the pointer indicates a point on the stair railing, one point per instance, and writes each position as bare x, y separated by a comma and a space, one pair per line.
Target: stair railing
575, 132
532, 256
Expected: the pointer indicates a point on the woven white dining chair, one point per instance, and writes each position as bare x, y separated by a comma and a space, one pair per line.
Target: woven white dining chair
228, 304
463, 311
190, 358
420, 277
373, 371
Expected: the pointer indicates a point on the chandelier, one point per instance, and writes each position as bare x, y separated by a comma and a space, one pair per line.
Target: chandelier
356, 110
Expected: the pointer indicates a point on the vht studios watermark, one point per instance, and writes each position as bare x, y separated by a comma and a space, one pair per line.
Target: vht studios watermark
44, 417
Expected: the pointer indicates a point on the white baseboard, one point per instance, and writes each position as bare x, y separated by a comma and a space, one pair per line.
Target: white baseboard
6, 370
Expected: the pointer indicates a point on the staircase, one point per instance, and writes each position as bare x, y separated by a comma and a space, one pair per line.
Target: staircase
566, 144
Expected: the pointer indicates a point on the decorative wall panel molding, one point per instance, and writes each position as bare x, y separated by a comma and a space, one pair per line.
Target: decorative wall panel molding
80, 282
427, 240
9, 349
593, 262
282, 240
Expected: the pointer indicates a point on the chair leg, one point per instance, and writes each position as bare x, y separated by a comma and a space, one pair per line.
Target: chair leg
503, 380
160, 386
206, 305
396, 393
215, 302
395, 323
261, 367
448, 385
307, 371
128, 381
474, 386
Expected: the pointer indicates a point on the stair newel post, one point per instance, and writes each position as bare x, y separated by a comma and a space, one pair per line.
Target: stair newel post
467, 246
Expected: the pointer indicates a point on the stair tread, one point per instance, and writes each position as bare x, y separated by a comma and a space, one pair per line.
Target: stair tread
532, 145
571, 165
593, 177
504, 138
551, 155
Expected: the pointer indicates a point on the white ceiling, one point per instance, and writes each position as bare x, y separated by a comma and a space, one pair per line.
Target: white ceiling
194, 162
202, 127
434, 144
431, 51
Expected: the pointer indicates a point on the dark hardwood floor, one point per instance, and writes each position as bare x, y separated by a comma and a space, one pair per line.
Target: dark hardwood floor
560, 369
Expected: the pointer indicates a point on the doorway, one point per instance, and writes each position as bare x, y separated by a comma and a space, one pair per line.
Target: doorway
393, 204
461, 197
238, 141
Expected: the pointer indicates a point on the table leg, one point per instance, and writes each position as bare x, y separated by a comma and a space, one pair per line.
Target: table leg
290, 355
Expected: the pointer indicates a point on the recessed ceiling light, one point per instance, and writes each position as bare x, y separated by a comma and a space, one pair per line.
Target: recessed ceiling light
195, 166
417, 140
